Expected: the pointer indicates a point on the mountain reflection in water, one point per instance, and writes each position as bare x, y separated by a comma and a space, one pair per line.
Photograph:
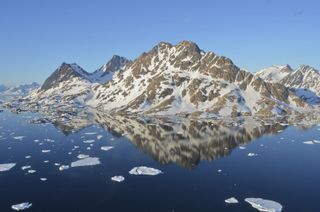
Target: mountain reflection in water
184, 142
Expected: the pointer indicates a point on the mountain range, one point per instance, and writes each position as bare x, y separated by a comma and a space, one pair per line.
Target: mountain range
183, 80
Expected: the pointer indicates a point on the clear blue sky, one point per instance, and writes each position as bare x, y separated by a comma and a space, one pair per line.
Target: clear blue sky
38, 35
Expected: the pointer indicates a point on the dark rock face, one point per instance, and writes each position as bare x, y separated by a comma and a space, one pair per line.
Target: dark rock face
64, 73
113, 65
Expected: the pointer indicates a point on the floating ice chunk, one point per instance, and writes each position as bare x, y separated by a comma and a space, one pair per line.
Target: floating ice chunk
252, 154
308, 142
219, 170
63, 167
99, 137
46, 151
316, 141
90, 133
31, 171
88, 148
19, 137
264, 205
49, 140
89, 161
242, 147
106, 148
46, 161
57, 164
82, 156
28, 156
43, 179
88, 141
117, 178
6, 166
21, 206
25, 167
143, 170
231, 200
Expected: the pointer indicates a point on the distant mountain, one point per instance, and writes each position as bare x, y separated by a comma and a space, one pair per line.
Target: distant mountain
304, 81
20, 90
179, 80
105, 72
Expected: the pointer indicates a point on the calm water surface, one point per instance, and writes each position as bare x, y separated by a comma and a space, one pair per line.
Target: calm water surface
190, 154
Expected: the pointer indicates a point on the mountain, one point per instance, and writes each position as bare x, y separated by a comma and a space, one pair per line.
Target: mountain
176, 79
274, 73
304, 81
183, 79
105, 72
20, 90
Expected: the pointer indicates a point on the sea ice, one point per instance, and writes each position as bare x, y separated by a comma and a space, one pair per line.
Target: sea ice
19, 137
21, 206
231, 200
6, 166
31, 171
43, 179
143, 170
106, 148
28, 157
88, 141
117, 178
63, 167
242, 147
264, 205
25, 167
82, 156
99, 137
252, 154
89, 161
308, 142
90, 133
46, 151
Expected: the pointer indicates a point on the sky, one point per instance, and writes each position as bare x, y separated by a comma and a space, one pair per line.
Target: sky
36, 36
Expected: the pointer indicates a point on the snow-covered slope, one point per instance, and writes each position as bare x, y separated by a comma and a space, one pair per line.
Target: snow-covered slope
184, 79
105, 72
274, 73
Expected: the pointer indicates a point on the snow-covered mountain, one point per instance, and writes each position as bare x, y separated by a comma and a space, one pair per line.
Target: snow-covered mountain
19, 90
304, 81
274, 73
184, 79
174, 79
105, 72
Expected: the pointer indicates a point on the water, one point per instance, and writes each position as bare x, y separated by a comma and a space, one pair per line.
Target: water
190, 154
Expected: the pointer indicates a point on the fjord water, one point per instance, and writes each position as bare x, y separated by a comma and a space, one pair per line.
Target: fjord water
202, 165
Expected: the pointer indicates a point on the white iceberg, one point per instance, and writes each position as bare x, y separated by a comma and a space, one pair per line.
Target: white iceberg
43, 179
231, 200
25, 167
6, 166
308, 142
19, 137
106, 148
89, 161
143, 170
117, 178
90, 133
99, 137
46, 151
264, 205
31, 171
21, 206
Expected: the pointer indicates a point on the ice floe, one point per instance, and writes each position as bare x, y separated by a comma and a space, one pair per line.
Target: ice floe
46, 151
31, 171
27, 157
264, 205
99, 137
89, 161
144, 170
63, 167
231, 200
312, 142
6, 166
19, 137
242, 147
25, 167
82, 156
43, 179
106, 148
88, 141
21, 206
117, 178
90, 133
252, 154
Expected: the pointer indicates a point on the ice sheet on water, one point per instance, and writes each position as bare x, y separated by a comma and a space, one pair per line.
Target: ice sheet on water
231, 200
25, 167
43, 179
106, 148
264, 205
6, 166
45, 150
90, 133
89, 161
308, 142
144, 170
31, 171
21, 206
117, 178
